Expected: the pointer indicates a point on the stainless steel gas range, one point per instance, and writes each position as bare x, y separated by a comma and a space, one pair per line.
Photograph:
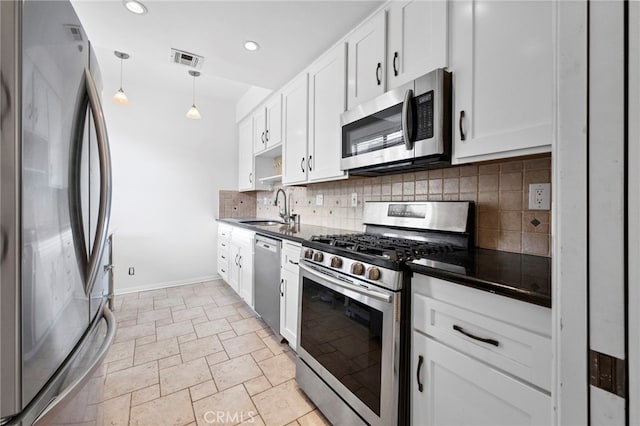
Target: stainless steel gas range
353, 308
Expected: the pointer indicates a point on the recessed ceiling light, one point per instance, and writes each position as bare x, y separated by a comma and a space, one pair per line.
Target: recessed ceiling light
251, 45
135, 6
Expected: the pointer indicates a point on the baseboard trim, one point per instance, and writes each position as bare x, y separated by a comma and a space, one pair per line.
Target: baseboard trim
157, 286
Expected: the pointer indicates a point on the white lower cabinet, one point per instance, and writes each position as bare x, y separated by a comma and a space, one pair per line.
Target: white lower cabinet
240, 264
478, 358
289, 292
460, 390
224, 243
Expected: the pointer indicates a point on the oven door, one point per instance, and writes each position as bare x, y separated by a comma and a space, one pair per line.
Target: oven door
377, 131
349, 336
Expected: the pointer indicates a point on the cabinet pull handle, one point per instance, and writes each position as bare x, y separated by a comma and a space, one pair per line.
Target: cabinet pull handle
302, 164
292, 262
462, 135
420, 361
250, 177
262, 137
281, 284
223, 270
266, 135
379, 73
309, 163
482, 339
240, 262
395, 64
222, 257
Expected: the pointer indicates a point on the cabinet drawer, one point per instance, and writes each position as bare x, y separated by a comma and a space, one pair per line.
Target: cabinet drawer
290, 256
507, 346
224, 231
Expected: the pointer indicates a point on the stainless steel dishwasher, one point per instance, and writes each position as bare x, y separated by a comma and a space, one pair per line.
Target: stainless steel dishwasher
266, 272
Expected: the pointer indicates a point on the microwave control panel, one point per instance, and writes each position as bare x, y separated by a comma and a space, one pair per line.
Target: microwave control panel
424, 116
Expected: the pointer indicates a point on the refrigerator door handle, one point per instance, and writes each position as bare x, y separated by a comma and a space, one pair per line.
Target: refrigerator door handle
63, 397
104, 157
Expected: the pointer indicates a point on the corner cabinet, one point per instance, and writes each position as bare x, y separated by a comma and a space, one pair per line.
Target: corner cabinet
502, 59
289, 292
366, 68
416, 39
478, 357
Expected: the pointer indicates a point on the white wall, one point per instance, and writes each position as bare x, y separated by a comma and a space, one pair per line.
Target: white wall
167, 171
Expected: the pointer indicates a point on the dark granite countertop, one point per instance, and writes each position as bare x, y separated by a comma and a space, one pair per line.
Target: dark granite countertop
297, 233
519, 276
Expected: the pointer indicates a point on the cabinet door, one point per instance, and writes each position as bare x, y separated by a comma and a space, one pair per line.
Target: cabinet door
294, 151
273, 134
289, 290
245, 155
234, 267
502, 62
366, 49
459, 390
417, 39
259, 130
327, 100
245, 261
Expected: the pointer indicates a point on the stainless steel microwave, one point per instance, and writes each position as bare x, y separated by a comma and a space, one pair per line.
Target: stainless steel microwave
407, 128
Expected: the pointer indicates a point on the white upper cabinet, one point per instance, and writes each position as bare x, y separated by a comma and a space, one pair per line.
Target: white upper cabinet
245, 155
502, 59
366, 67
327, 100
295, 126
267, 124
416, 39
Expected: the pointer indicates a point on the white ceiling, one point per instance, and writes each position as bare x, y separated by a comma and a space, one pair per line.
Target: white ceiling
291, 35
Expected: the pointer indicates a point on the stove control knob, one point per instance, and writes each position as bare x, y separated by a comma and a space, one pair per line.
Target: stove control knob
308, 253
318, 257
373, 273
336, 262
357, 268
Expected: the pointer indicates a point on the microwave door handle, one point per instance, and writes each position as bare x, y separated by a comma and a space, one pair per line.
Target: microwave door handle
406, 110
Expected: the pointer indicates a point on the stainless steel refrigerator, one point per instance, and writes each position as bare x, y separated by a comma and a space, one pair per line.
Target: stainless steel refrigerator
55, 197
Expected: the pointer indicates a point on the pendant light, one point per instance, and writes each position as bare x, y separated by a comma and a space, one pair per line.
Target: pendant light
193, 112
120, 97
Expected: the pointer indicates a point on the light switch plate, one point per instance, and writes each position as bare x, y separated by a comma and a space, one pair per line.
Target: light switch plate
354, 199
540, 196
319, 200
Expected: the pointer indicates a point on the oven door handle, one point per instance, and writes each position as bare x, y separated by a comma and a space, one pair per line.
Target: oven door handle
340, 283
406, 110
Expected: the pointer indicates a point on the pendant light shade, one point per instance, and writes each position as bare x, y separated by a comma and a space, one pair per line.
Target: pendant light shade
193, 112
120, 98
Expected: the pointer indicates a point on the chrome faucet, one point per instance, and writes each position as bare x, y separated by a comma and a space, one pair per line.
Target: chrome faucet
284, 213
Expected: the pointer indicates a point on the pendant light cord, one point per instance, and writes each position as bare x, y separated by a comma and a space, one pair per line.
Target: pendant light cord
194, 90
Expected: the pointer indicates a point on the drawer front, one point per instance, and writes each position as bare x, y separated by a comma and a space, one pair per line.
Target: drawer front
506, 346
290, 257
223, 269
224, 231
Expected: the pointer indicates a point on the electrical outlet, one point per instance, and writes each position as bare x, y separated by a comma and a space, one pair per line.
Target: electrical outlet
132, 271
354, 199
265, 201
540, 196
319, 200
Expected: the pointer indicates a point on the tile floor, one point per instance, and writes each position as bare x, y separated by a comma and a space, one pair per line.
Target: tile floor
197, 354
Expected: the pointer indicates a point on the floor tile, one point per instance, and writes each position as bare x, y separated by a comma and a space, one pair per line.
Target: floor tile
134, 378
212, 327
187, 337
168, 302
184, 375
159, 293
116, 411
278, 369
235, 371
243, 345
150, 316
132, 333
202, 390
146, 340
158, 350
174, 409
200, 348
145, 395
174, 330
227, 335
121, 364
227, 300
314, 418
214, 312
217, 357
228, 407
282, 404
247, 325
257, 385
119, 351
187, 314
199, 300
169, 361
274, 344
262, 354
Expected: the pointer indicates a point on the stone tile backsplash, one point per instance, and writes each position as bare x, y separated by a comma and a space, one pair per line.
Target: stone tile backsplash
234, 204
500, 190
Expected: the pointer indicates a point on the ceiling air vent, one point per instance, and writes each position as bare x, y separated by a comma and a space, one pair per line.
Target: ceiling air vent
75, 31
185, 58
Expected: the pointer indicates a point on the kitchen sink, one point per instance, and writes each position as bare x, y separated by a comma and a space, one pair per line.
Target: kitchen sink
262, 222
